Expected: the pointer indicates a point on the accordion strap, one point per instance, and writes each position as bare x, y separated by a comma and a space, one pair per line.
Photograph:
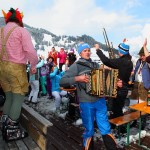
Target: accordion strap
91, 65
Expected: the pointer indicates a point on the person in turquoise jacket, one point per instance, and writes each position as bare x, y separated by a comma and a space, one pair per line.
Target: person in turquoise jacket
55, 77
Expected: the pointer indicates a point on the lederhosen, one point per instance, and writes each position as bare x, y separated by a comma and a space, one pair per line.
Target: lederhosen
13, 76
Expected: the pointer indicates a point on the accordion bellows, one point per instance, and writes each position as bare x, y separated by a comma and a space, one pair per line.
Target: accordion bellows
103, 82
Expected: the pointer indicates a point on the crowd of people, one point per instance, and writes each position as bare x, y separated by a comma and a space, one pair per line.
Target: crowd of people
48, 77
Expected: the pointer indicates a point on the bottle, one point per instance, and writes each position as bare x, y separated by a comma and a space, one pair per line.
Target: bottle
148, 98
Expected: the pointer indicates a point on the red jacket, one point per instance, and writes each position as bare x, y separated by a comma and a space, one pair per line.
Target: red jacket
54, 55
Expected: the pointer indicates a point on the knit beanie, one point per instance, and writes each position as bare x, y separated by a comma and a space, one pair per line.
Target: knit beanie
141, 52
82, 46
123, 48
13, 15
71, 50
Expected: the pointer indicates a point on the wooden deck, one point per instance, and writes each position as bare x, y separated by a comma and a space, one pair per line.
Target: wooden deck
61, 135
29, 144
72, 136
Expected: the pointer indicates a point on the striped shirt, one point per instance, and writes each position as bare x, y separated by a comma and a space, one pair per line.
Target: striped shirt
19, 46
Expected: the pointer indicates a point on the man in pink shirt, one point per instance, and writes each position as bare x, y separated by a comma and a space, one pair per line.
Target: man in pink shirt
16, 49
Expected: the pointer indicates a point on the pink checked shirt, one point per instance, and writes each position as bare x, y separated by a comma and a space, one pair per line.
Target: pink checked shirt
19, 46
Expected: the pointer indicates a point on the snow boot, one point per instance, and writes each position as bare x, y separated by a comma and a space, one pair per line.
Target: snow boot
12, 130
88, 144
109, 142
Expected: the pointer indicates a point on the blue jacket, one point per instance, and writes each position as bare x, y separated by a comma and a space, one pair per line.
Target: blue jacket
55, 78
145, 73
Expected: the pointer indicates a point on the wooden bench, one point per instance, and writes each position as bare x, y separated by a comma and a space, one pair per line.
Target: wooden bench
36, 125
126, 119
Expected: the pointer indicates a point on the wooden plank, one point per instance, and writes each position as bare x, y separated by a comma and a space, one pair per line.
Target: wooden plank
12, 145
62, 140
125, 118
21, 145
30, 143
71, 131
33, 131
68, 131
54, 141
50, 146
67, 134
41, 122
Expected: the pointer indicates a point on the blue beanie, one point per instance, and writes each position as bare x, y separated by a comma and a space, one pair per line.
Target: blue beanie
83, 46
123, 48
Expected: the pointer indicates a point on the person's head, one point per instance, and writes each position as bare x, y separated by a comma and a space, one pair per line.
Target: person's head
71, 50
123, 49
50, 59
53, 49
13, 16
84, 50
62, 49
141, 54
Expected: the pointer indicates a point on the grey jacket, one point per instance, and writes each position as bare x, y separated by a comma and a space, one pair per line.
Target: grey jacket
77, 69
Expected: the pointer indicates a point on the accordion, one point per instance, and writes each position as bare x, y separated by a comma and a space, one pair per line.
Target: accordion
102, 82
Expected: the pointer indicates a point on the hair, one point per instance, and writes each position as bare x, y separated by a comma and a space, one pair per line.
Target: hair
51, 58
15, 20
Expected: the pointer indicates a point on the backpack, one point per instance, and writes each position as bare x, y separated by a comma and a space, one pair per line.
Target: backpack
44, 70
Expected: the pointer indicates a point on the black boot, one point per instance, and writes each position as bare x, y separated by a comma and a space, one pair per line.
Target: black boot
12, 131
109, 142
90, 145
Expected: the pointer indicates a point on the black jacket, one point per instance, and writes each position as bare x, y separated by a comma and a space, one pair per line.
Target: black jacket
71, 58
123, 64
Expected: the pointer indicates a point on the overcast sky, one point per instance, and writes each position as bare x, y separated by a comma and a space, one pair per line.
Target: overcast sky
121, 18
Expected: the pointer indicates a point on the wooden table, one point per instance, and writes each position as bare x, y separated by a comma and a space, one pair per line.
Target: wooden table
142, 107
68, 89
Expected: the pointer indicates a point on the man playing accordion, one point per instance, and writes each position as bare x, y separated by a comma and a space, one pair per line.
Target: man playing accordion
91, 107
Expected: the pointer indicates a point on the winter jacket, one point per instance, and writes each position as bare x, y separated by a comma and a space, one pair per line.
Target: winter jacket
124, 66
76, 69
145, 73
55, 78
62, 57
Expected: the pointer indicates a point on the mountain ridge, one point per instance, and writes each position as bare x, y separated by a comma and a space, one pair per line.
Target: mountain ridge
68, 41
